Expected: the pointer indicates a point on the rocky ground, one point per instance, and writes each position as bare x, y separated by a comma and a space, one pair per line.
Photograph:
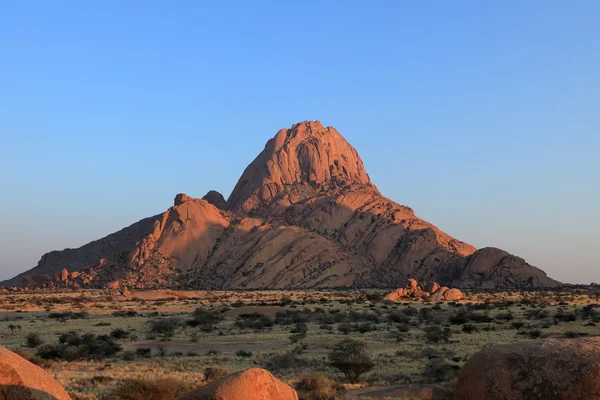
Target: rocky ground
95, 343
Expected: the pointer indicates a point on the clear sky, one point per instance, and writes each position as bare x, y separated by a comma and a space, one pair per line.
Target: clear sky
484, 116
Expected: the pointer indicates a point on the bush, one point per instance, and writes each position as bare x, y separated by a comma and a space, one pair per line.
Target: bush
68, 315
165, 327
119, 333
33, 340
317, 386
73, 347
205, 318
436, 334
440, 371
351, 358
254, 321
518, 324
243, 353
212, 374
139, 389
284, 361
144, 352
469, 328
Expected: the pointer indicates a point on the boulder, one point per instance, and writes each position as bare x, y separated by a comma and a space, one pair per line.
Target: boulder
251, 384
395, 295
431, 287
113, 285
452, 295
553, 369
22, 380
64, 275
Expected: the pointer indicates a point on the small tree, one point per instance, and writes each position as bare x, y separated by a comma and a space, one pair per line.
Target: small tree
34, 340
351, 358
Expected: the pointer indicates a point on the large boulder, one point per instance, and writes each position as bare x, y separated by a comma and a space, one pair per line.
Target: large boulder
553, 369
22, 380
453, 295
395, 295
431, 287
251, 384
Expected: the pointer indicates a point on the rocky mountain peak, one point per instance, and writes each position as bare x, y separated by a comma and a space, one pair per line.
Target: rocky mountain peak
216, 199
308, 154
181, 198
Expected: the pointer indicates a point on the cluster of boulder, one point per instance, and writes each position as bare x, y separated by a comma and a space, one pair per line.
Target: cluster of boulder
550, 369
65, 279
431, 291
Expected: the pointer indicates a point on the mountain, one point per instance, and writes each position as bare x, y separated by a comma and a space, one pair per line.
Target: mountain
304, 214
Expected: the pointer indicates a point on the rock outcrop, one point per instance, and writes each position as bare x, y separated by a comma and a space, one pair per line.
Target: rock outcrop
304, 214
553, 369
297, 163
216, 199
430, 291
22, 380
251, 384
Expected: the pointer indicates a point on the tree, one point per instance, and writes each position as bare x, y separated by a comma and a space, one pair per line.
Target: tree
351, 358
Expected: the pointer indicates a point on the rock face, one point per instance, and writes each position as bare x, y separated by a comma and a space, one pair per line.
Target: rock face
304, 214
22, 380
251, 384
567, 369
295, 164
216, 199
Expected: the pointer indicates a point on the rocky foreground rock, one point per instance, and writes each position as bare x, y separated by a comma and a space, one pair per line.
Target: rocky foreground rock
304, 214
251, 384
552, 369
22, 380
431, 291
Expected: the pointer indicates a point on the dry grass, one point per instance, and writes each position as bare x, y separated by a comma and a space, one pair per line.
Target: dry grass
399, 350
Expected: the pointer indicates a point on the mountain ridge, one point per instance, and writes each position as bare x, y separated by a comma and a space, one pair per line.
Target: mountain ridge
304, 214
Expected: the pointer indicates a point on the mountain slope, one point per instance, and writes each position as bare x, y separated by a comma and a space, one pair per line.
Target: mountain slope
303, 214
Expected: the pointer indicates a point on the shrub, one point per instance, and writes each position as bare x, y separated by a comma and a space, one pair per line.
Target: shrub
165, 327
535, 334
139, 389
129, 313
243, 353
317, 386
398, 317
459, 318
284, 361
211, 373
33, 340
469, 328
254, 321
144, 352
205, 318
119, 333
68, 315
518, 324
440, 371
351, 358
73, 347
436, 334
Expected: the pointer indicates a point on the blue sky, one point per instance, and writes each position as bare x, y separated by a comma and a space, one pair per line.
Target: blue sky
482, 116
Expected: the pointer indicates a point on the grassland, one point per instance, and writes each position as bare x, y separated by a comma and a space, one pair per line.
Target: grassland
416, 347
